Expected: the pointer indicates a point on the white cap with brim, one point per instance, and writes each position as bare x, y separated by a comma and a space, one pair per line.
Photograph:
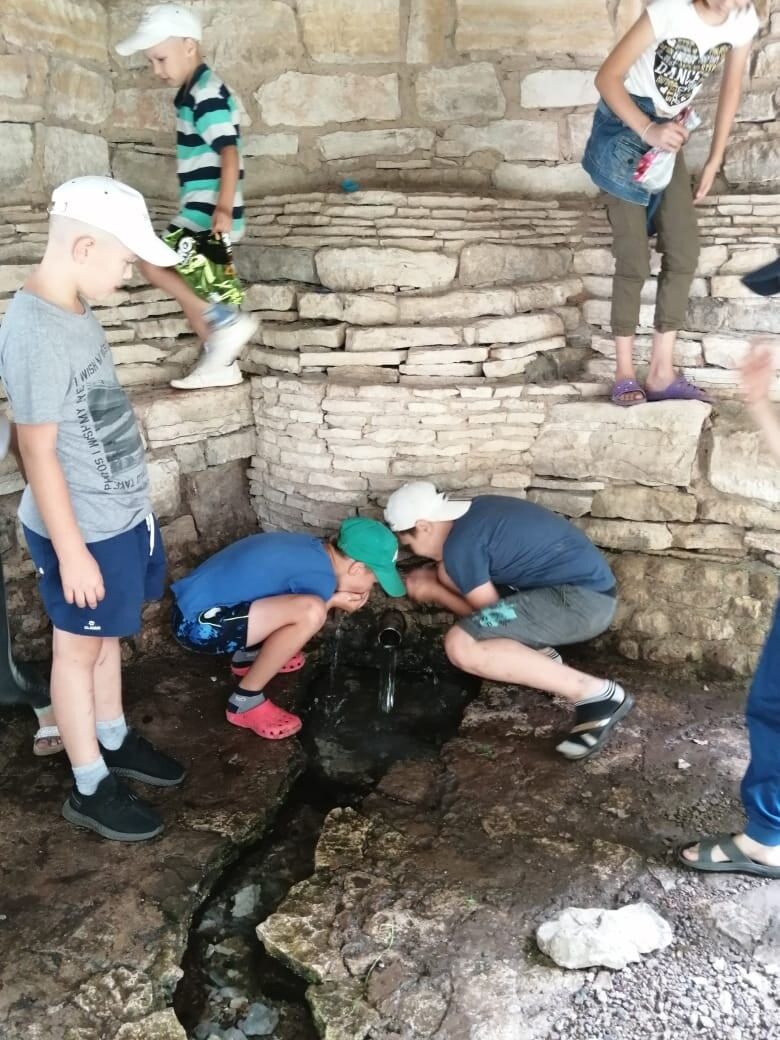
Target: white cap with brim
421, 501
109, 205
161, 23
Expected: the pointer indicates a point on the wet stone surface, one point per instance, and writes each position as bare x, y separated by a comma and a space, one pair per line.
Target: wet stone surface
405, 911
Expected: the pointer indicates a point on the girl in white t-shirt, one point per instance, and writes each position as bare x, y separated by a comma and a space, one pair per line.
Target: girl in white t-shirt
652, 74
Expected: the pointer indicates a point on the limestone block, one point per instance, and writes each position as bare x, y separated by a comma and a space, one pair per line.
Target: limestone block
401, 338
708, 537
160, 1025
272, 297
346, 144
485, 263
68, 153
271, 263
300, 99
544, 295
687, 352
558, 88
627, 535
729, 351
164, 487
648, 446
768, 62
631, 502
459, 305
752, 315
269, 144
16, 155
371, 309
191, 457
245, 36
461, 92
79, 94
152, 174
238, 445
511, 138
584, 938
365, 357
219, 503
278, 360
578, 127
534, 27
339, 31
449, 371
143, 109
727, 509
742, 261
197, 415
568, 503
506, 368
445, 355
430, 23
593, 262
740, 464
302, 335
522, 328
527, 350
72, 28
363, 267
766, 541
753, 160
22, 87
543, 181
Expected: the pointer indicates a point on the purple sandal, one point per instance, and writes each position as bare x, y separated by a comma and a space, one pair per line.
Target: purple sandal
627, 386
680, 390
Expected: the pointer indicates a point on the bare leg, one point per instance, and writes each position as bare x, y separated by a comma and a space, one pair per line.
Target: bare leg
108, 681
73, 694
283, 624
507, 661
661, 372
167, 279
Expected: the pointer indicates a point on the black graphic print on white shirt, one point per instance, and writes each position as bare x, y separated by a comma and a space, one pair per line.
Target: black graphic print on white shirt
680, 68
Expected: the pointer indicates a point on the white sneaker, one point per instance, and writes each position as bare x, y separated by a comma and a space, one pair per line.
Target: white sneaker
228, 338
206, 374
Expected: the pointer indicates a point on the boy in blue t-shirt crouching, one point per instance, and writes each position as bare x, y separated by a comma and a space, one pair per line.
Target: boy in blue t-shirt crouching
522, 580
276, 589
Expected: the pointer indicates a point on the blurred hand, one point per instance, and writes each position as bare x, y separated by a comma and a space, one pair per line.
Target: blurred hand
758, 372
222, 221
706, 180
668, 136
422, 585
82, 582
349, 601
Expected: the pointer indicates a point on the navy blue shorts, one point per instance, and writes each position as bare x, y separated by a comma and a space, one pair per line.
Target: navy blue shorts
216, 630
133, 569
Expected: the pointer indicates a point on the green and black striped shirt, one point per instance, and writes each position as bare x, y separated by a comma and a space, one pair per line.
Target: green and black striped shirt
207, 121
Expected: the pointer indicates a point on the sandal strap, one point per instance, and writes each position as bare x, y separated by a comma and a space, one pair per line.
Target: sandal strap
47, 733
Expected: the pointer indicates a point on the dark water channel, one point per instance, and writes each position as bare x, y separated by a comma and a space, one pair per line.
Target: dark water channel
366, 705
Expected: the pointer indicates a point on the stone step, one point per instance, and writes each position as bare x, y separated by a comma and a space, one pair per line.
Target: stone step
301, 335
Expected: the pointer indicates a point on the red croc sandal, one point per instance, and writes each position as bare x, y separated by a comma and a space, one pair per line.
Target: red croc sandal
266, 720
242, 661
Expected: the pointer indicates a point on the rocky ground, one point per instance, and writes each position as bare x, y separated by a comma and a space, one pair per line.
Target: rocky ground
415, 915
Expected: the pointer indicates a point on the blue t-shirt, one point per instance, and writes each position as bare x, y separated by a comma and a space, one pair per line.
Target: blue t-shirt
513, 542
262, 565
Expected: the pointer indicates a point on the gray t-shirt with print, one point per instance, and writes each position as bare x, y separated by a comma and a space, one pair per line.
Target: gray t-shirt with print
57, 368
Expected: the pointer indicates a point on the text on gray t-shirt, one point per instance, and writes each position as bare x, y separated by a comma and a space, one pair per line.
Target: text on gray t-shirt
57, 368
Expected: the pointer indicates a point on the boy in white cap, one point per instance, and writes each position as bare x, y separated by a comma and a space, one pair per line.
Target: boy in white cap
86, 511
211, 209
522, 580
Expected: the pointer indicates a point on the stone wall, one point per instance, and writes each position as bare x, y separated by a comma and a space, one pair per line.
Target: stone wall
412, 93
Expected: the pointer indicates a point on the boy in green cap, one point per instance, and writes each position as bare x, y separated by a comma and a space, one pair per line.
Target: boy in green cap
276, 589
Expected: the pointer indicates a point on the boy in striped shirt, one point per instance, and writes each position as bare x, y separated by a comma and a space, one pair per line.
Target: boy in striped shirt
211, 212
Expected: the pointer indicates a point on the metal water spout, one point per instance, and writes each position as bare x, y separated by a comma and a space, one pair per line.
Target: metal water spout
391, 629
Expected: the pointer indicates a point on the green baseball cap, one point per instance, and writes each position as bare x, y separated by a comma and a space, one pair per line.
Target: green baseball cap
376, 546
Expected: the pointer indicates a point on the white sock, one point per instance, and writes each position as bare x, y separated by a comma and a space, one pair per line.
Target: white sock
88, 777
112, 733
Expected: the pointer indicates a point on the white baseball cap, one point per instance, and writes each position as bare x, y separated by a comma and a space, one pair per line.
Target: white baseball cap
421, 501
117, 208
160, 23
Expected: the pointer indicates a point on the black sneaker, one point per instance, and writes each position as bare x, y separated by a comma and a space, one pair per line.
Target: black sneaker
114, 812
140, 760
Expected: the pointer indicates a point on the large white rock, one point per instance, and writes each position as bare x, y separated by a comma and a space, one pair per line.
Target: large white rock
531, 27
590, 937
459, 305
340, 31
486, 263
363, 267
16, 155
648, 445
740, 463
399, 338
345, 144
522, 328
430, 23
558, 88
460, 92
77, 93
369, 309
68, 153
544, 181
299, 99
511, 138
